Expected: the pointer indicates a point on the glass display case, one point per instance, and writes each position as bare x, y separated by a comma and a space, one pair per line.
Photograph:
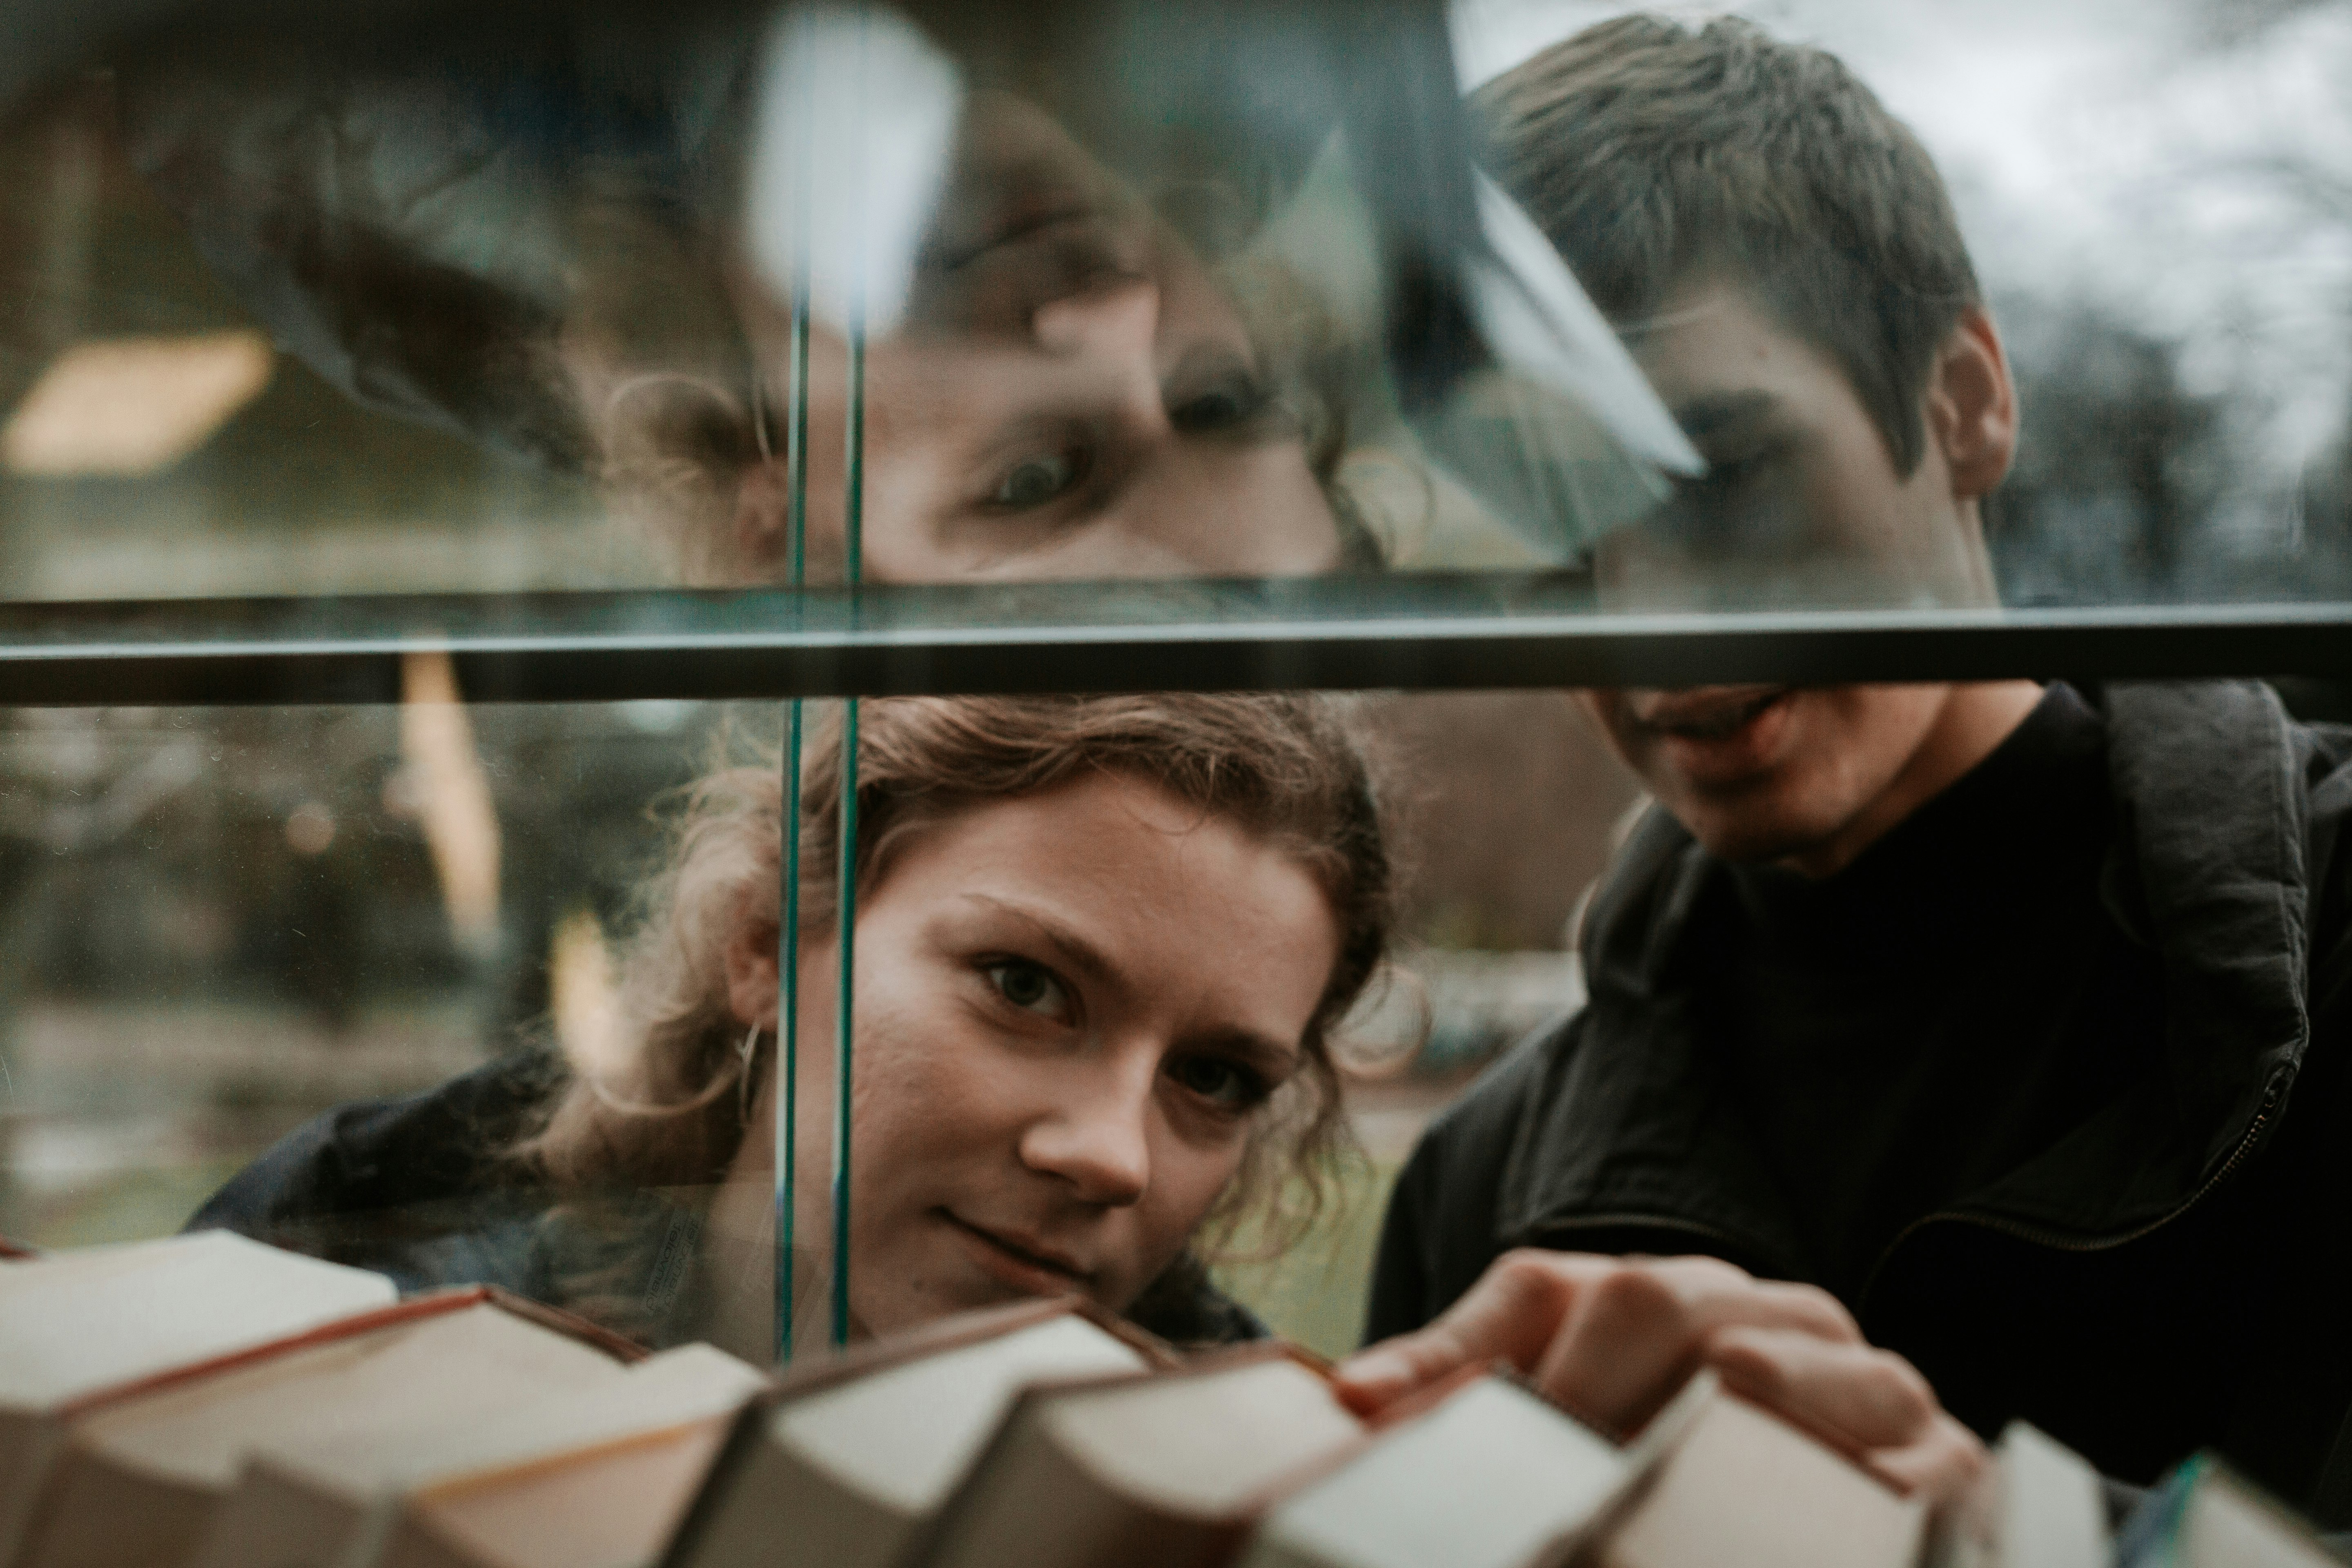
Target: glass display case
449, 456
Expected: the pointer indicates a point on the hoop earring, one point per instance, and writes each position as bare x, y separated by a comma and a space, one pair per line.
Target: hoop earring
743, 1054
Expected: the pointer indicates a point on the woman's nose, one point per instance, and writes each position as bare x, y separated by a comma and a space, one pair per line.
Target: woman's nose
1100, 1144
1112, 327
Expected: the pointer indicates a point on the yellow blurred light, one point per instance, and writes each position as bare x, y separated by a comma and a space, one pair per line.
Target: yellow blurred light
132, 405
453, 797
584, 994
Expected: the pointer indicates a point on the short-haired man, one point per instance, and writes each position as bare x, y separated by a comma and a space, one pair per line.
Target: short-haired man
2002, 1027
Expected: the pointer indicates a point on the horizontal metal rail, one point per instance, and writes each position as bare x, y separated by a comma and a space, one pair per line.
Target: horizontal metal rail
1429, 633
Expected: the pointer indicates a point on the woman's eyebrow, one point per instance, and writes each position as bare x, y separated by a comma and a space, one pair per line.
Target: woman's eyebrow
1278, 1058
1073, 948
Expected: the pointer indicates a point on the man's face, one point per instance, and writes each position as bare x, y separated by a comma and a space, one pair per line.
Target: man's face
1802, 507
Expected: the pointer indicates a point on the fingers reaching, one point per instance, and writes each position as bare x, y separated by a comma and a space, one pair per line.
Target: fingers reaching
1636, 1331
1608, 1338
1510, 1314
1857, 1397
1945, 1466
1871, 1404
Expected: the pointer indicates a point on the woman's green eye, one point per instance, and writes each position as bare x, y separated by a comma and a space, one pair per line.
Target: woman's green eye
1226, 1084
1035, 480
1030, 987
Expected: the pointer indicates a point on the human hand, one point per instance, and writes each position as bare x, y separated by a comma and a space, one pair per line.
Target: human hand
1869, 1404
1610, 1340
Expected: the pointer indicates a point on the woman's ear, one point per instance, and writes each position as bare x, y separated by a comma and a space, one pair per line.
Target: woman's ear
751, 973
1972, 405
758, 531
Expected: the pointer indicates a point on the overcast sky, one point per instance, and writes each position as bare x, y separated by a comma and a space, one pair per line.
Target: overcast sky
2111, 151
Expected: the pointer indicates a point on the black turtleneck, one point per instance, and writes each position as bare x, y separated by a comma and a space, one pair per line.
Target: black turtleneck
1914, 1026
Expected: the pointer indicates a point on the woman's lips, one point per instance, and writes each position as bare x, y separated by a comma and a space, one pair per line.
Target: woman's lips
1019, 1261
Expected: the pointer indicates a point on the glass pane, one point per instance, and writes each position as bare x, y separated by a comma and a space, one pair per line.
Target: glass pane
222, 924
530, 939
1150, 997
567, 299
556, 477
1134, 304
2162, 277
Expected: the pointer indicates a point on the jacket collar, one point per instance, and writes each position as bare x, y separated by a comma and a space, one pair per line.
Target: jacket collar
1632, 1124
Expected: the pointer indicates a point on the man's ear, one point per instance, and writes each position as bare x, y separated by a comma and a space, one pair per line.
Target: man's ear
751, 973
1972, 405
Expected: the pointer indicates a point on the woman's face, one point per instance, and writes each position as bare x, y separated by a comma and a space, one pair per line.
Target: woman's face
1070, 1009
1070, 395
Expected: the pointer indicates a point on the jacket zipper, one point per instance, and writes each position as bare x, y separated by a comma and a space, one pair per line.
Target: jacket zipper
2059, 1242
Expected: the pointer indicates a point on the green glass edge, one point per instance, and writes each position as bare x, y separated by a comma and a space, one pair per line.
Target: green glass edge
852, 550
788, 936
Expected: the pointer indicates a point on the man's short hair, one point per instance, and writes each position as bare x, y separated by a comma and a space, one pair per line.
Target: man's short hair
1652, 152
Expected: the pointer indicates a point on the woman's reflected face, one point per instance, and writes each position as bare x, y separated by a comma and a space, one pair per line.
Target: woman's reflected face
1071, 1010
1070, 395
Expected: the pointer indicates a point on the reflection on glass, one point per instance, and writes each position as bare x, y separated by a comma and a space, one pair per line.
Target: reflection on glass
1113, 351
2153, 271
1071, 393
222, 925
1150, 292
1781, 258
